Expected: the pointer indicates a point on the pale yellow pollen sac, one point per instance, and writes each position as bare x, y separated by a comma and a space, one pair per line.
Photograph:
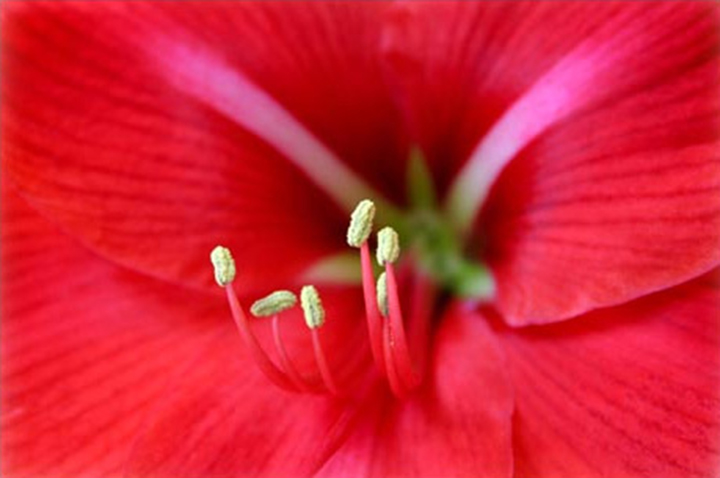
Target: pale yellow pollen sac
361, 222
312, 307
382, 294
224, 265
388, 249
274, 303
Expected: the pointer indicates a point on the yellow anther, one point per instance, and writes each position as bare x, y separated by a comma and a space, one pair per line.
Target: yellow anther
312, 307
382, 294
388, 249
361, 222
273, 303
224, 265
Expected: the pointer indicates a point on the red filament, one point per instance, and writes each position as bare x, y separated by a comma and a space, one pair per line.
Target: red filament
287, 365
325, 373
374, 321
271, 371
390, 343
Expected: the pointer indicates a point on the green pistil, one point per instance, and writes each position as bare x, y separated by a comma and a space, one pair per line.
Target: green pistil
421, 190
439, 253
434, 242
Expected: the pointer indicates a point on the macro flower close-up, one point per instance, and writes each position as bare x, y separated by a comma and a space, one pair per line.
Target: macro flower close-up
360, 239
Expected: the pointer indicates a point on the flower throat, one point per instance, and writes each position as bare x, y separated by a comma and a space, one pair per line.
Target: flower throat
398, 332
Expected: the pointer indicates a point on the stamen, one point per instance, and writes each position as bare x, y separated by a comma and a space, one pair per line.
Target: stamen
270, 370
361, 221
392, 372
312, 307
382, 297
401, 352
325, 373
402, 381
273, 304
315, 318
289, 368
375, 331
388, 252
388, 249
223, 264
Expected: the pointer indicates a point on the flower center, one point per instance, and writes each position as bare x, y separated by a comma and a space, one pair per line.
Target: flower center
398, 331
434, 244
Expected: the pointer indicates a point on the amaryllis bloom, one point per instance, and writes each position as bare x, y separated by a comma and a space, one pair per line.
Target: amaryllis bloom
550, 173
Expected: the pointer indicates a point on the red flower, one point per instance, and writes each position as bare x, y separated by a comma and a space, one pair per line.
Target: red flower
573, 148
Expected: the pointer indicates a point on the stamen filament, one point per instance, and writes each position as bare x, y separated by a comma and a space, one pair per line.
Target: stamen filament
392, 373
321, 360
401, 353
374, 321
287, 365
273, 373
315, 318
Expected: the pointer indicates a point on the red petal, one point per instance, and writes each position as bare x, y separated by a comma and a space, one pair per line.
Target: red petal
224, 418
103, 141
459, 66
457, 425
87, 349
627, 391
611, 205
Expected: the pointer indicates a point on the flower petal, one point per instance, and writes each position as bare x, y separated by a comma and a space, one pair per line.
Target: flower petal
458, 67
145, 171
87, 349
627, 391
604, 67
458, 424
224, 418
612, 204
